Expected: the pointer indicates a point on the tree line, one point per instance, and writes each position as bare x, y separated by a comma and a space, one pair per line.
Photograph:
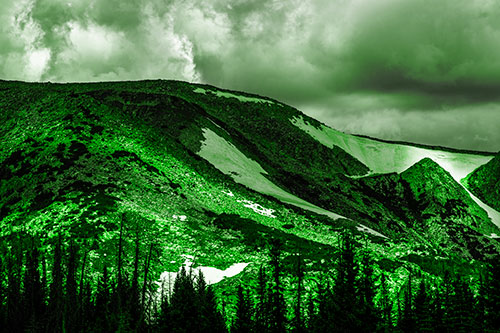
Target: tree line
59, 292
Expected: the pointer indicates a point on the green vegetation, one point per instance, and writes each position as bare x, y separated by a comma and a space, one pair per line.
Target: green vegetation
102, 190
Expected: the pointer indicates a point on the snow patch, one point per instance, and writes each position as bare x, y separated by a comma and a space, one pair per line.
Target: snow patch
180, 217
228, 159
230, 95
212, 275
229, 193
258, 208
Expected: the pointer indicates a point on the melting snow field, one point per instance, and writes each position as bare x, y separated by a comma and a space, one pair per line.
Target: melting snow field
229, 95
212, 275
228, 159
383, 157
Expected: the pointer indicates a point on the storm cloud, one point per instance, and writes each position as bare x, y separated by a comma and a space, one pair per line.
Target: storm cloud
416, 70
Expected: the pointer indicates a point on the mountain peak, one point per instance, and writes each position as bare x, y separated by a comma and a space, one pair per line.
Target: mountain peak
426, 168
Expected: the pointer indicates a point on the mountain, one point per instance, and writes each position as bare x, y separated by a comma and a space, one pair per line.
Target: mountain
194, 173
484, 182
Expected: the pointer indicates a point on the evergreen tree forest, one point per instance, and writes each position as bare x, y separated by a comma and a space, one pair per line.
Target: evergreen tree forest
54, 291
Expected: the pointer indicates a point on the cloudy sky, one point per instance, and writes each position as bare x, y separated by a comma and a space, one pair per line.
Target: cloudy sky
418, 70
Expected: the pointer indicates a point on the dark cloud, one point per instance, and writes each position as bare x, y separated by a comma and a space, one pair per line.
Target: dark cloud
418, 70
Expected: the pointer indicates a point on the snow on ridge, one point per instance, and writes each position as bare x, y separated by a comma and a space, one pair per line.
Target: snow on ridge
241, 98
383, 157
365, 229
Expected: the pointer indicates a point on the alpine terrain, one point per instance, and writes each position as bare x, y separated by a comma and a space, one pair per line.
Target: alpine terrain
133, 189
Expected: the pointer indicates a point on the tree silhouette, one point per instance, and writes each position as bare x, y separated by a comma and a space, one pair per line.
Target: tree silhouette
43, 290
423, 306
243, 323
263, 305
277, 302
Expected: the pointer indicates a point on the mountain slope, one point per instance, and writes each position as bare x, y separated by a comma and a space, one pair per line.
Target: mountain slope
215, 175
77, 160
484, 182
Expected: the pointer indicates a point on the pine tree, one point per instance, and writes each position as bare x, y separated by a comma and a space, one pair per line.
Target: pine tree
448, 293
407, 318
386, 324
311, 313
102, 302
242, 323
325, 319
14, 311
423, 314
438, 311
480, 301
134, 305
462, 308
345, 291
184, 313
71, 300
87, 311
262, 306
147, 264
298, 320
163, 316
56, 298
367, 291
492, 295
202, 302
277, 302
214, 319
120, 285
34, 299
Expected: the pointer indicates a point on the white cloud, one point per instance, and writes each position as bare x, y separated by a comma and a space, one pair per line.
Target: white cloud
37, 63
25, 58
93, 41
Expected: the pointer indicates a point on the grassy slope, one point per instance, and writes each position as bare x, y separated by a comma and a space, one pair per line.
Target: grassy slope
80, 166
